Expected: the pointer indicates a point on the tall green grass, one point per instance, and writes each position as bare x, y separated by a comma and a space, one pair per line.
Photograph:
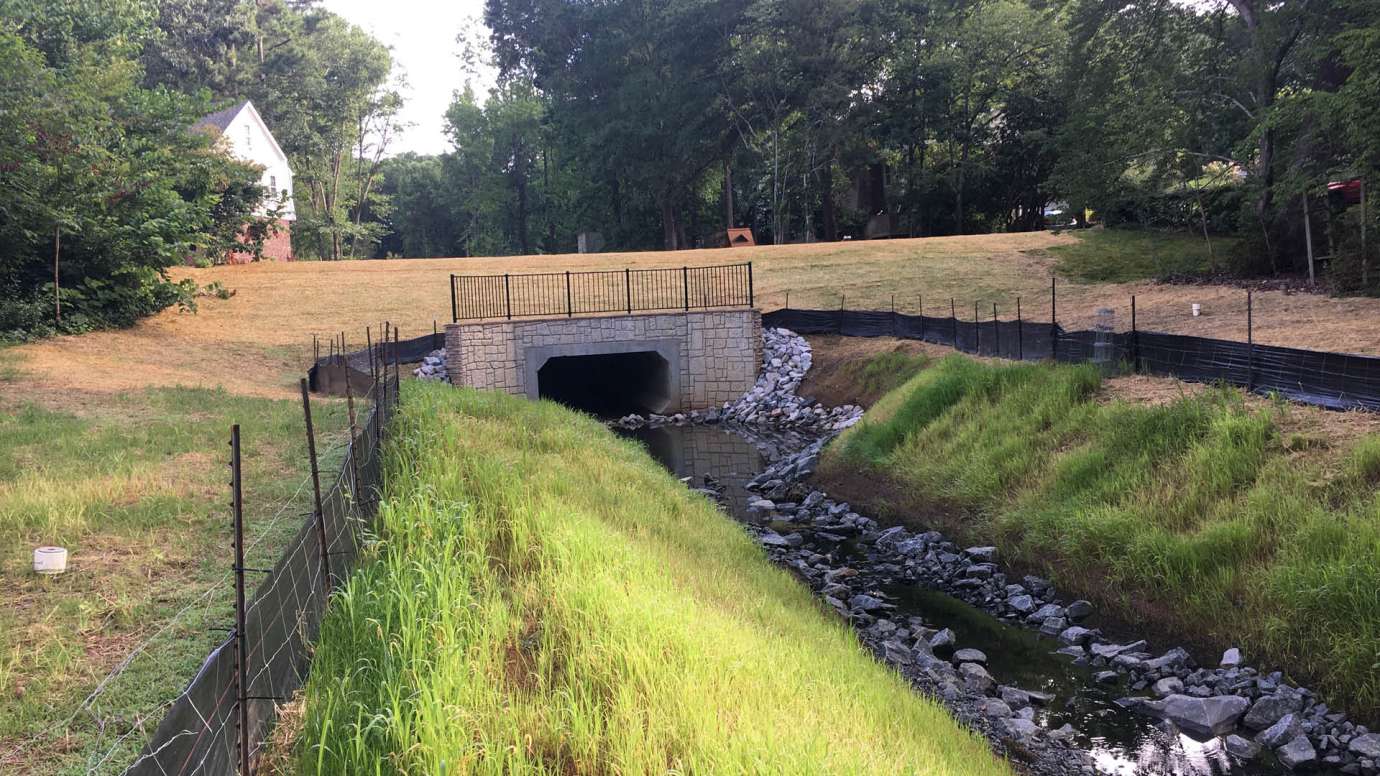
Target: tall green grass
544, 598
1192, 513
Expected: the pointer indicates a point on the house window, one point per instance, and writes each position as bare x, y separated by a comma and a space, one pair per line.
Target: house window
248, 138
273, 185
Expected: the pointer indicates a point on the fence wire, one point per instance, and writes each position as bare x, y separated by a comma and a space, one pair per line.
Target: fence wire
197, 731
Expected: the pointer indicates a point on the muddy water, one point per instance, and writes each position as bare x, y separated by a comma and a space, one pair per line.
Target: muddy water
1118, 741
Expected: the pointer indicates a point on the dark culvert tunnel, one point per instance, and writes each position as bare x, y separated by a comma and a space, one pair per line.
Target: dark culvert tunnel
608, 384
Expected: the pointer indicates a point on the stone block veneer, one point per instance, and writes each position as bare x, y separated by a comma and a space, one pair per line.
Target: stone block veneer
713, 355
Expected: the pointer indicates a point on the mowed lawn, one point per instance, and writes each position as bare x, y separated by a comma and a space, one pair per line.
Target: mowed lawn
255, 343
545, 598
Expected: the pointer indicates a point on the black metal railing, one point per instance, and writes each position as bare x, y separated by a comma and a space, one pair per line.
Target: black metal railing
548, 294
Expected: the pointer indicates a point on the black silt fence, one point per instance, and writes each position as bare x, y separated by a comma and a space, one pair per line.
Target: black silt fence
200, 734
1339, 381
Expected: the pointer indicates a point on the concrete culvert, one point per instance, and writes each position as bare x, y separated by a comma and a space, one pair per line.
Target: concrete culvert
608, 384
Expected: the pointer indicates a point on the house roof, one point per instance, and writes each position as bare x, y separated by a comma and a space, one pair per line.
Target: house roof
220, 119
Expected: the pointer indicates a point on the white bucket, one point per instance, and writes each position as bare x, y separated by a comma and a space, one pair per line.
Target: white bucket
50, 560
1197, 309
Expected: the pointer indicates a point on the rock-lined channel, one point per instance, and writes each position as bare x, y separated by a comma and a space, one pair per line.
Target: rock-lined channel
1008, 656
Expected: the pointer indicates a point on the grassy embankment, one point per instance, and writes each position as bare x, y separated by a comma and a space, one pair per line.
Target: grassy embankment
1198, 516
1126, 255
546, 599
134, 486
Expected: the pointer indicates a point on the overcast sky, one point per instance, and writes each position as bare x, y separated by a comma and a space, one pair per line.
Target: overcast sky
422, 36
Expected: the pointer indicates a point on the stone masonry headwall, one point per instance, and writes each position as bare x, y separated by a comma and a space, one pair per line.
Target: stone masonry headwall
713, 355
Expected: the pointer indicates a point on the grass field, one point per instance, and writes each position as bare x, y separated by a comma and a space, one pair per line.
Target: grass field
135, 487
256, 342
1209, 516
112, 443
544, 598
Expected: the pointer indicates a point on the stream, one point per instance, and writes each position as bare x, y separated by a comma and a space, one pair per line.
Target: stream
1090, 731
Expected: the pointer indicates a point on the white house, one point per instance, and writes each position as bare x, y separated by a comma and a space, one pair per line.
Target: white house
247, 138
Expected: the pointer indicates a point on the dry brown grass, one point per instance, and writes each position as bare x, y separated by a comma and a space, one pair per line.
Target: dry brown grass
257, 342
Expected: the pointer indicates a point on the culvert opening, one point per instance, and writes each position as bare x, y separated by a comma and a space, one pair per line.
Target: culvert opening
608, 384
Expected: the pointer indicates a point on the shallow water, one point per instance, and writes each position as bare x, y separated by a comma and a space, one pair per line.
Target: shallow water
1119, 741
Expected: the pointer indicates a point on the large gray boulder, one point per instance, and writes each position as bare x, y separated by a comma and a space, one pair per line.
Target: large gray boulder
1280, 733
1297, 752
1269, 708
1205, 717
1367, 746
976, 678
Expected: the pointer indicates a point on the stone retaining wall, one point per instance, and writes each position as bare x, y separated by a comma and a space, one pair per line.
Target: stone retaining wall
713, 355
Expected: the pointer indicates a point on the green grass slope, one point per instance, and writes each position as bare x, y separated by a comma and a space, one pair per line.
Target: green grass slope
1125, 255
545, 599
1192, 514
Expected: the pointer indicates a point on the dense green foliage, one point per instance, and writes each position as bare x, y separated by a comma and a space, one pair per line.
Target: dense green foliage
1200, 513
101, 185
544, 598
816, 121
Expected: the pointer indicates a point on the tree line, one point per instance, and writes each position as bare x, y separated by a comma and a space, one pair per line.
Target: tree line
103, 186
661, 124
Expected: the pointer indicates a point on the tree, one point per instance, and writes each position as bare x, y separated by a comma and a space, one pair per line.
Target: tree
104, 186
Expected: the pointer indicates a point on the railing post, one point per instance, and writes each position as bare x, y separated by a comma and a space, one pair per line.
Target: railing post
241, 643
454, 305
750, 294
627, 284
893, 315
569, 308
922, 317
319, 516
507, 296
685, 281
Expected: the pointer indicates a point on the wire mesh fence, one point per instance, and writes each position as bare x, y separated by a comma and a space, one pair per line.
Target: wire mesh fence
218, 722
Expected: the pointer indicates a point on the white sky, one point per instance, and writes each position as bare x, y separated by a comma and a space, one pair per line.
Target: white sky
422, 36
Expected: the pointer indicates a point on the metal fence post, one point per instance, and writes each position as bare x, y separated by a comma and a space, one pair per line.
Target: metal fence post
996, 331
1053, 323
893, 315
750, 294
320, 515
977, 331
685, 280
627, 284
454, 305
569, 307
922, 317
1250, 343
507, 296
1020, 333
953, 318
241, 645
1135, 338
